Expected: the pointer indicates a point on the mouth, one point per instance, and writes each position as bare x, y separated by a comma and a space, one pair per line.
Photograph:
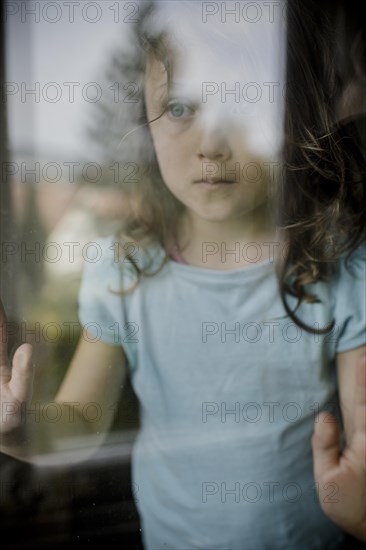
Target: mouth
215, 182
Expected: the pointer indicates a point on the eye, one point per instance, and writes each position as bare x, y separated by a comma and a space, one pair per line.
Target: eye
179, 110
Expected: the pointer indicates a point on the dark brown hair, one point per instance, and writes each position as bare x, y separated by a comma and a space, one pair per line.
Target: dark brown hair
321, 199
320, 196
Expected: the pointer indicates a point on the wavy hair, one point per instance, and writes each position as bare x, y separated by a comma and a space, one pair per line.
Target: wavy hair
320, 196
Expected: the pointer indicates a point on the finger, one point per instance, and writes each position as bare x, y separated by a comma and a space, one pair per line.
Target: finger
360, 397
3, 337
325, 444
22, 373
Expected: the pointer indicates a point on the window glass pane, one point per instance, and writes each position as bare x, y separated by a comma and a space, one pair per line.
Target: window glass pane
180, 184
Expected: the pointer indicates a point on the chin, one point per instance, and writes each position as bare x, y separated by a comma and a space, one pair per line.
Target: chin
218, 215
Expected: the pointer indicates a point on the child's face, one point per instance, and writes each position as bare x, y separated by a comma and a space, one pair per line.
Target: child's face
196, 142
207, 132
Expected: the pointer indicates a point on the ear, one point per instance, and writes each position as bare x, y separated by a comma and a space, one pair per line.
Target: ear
358, 55
352, 101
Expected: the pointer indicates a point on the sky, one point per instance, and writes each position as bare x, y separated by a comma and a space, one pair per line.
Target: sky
38, 53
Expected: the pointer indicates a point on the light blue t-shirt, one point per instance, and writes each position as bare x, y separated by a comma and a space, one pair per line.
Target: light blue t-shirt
228, 389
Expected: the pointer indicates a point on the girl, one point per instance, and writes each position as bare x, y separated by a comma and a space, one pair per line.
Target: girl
227, 295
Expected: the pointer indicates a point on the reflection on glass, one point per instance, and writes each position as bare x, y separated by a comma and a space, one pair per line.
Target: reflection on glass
179, 207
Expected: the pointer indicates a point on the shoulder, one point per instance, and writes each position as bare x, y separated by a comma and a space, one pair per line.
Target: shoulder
349, 279
350, 300
352, 267
113, 260
99, 258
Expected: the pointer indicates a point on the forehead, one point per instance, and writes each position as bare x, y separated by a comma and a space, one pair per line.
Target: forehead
234, 71
220, 48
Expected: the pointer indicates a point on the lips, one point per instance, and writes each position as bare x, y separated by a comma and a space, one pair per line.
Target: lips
214, 181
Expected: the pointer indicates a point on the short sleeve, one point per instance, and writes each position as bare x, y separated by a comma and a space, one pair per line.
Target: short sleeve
101, 309
350, 301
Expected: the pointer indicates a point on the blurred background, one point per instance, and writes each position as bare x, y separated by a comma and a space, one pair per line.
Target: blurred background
57, 187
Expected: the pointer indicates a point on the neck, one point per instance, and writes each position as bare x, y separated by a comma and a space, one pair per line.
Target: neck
227, 245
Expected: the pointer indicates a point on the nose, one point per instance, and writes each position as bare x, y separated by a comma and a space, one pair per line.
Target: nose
214, 144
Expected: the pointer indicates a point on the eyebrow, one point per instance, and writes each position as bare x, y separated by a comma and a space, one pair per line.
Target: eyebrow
177, 87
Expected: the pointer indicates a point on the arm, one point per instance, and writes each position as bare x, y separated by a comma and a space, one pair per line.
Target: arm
347, 371
95, 376
345, 468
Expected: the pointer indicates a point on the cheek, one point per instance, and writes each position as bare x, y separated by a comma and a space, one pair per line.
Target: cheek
165, 154
169, 152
